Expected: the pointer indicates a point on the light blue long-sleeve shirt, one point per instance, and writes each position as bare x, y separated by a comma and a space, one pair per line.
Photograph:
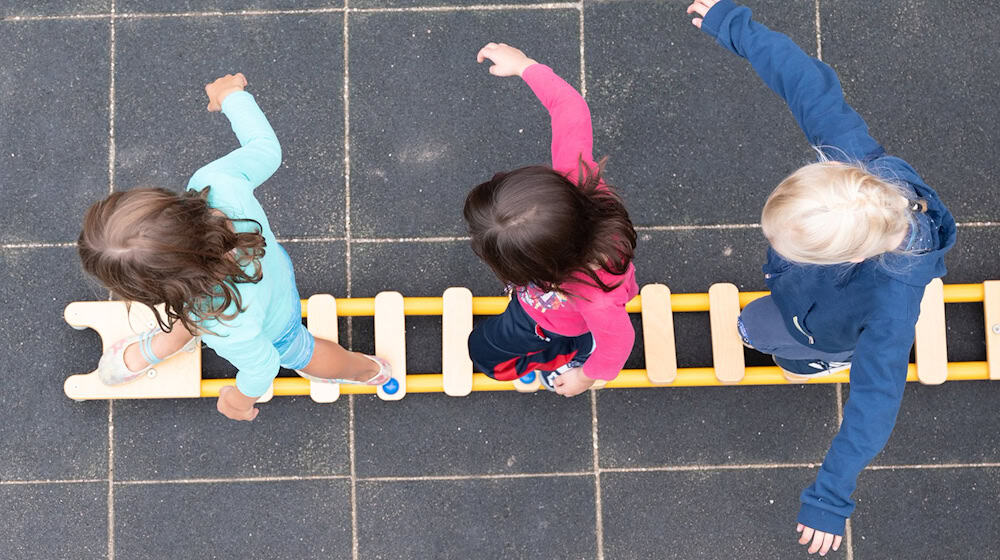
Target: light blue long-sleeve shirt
247, 340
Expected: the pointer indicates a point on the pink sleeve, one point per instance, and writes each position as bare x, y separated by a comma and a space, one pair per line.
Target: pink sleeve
614, 336
572, 132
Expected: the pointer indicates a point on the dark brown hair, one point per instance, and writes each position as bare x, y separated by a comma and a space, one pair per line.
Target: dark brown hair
534, 226
153, 246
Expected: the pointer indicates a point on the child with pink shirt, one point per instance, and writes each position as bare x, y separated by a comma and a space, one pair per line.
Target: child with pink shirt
563, 243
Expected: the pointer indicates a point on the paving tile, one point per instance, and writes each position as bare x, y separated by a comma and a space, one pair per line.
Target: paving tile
496, 519
917, 514
951, 423
429, 123
716, 515
53, 144
16, 8
773, 424
43, 521
682, 118
39, 351
280, 520
926, 92
175, 439
182, 6
163, 133
483, 433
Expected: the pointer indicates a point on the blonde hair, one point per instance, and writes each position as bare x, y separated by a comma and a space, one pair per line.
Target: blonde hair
831, 212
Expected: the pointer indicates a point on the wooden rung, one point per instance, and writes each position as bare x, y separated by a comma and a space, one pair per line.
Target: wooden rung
727, 346
390, 342
932, 336
322, 322
178, 377
991, 311
456, 325
658, 334
531, 387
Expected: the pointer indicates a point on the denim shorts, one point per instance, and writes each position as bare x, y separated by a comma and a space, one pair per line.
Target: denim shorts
295, 345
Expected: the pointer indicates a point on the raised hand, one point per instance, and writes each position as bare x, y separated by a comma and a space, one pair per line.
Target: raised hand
821, 542
507, 60
221, 87
701, 7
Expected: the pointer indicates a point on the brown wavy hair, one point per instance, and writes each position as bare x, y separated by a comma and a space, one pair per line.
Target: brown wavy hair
153, 246
535, 226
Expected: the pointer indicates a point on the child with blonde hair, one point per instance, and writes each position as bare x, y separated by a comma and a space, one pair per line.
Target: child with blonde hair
562, 241
209, 255
854, 239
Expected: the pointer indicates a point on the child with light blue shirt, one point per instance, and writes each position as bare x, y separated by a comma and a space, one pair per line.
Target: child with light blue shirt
210, 256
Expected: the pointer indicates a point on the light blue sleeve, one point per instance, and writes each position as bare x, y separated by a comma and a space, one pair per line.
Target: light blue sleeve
253, 354
258, 156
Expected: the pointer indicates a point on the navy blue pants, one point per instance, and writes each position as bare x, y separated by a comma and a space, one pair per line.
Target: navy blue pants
763, 328
510, 345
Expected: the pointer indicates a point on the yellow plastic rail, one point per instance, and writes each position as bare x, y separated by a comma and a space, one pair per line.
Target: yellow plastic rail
365, 307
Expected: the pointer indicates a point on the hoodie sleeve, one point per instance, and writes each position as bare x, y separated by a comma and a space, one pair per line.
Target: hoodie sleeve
258, 156
809, 86
878, 376
614, 337
572, 132
252, 353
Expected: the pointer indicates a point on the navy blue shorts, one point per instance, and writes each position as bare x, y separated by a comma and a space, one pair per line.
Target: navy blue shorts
510, 345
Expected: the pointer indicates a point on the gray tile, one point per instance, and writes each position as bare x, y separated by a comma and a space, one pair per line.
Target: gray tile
927, 514
163, 133
656, 427
428, 123
54, 139
279, 520
714, 515
20, 8
320, 267
683, 119
175, 439
182, 6
45, 521
45, 434
483, 433
927, 93
974, 257
496, 519
951, 423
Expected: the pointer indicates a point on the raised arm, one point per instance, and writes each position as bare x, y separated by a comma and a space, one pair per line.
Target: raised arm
259, 154
572, 132
809, 86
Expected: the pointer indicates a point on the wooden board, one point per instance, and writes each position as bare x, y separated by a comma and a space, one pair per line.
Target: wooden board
322, 323
456, 325
931, 336
390, 340
991, 311
658, 334
727, 346
178, 377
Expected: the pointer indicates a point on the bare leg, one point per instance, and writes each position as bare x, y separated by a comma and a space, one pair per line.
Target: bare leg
332, 361
164, 344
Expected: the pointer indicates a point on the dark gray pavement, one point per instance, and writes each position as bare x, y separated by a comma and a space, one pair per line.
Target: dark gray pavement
386, 121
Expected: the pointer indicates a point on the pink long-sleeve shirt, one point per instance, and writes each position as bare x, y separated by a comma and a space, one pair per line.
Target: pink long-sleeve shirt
590, 309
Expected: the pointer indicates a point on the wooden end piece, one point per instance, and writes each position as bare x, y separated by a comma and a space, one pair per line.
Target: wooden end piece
991, 311
456, 324
390, 341
931, 336
178, 377
658, 334
322, 312
727, 347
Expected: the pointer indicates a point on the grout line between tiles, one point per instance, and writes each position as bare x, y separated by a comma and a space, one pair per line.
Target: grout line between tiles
303, 11
689, 468
352, 448
598, 508
111, 189
819, 34
848, 540
37, 245
583, 59
53, 481
234, 479
458, 477
442, 239
697, 227
111, 479
933, 466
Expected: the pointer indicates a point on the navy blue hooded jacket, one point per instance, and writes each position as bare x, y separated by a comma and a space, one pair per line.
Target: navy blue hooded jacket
870, 307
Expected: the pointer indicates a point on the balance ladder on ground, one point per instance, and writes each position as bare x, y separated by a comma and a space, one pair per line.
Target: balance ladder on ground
180, 376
